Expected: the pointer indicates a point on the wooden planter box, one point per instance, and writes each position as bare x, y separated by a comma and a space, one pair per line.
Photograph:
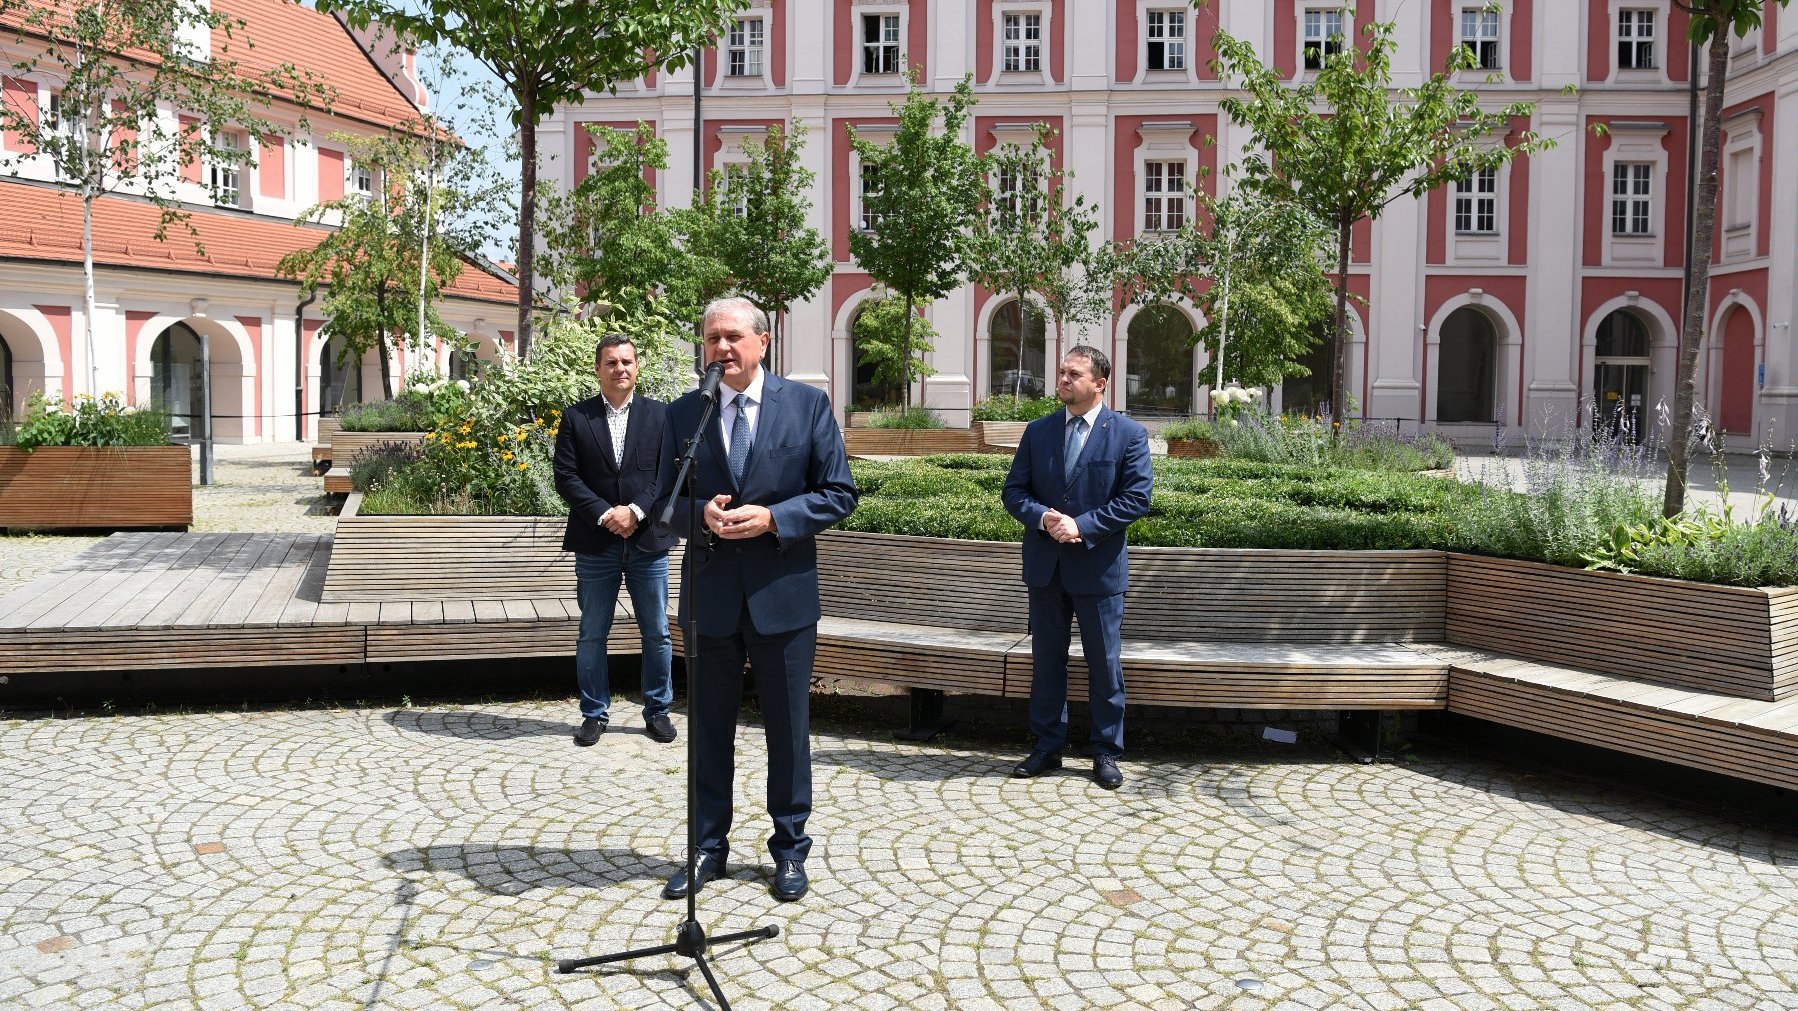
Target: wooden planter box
446, 557
69, 487
910, 441
346, 446
1194, 449
1726, 639
999, 436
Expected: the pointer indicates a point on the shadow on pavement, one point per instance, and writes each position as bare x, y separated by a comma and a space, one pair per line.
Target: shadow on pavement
475, 724
516, 870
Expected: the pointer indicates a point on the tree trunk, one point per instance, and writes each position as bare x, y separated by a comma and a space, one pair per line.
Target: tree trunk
381, 342
905, 359
1704, 229
1339, 355
87, 308
1017, 389
527, 214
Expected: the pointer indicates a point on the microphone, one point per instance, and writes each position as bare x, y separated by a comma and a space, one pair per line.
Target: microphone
708, 383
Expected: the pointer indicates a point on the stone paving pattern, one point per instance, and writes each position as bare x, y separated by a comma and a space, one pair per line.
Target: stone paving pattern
444, 856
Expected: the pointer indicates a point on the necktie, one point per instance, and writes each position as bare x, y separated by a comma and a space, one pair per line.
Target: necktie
1076, 442
739, 437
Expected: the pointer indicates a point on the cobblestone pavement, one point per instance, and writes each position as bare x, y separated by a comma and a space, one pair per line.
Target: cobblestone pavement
269, 488
442, 857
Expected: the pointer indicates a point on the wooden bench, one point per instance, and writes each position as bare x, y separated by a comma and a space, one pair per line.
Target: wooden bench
321, 446
909, 441
347, 446
1215, 628
110, 488
1000, 436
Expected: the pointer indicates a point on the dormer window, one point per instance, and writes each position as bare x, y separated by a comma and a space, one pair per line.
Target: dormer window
362, 179
225, 170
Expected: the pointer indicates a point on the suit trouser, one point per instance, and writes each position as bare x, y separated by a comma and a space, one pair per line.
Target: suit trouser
782, 664
1052, 610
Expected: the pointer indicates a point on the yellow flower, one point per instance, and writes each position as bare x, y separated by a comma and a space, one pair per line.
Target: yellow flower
536, 421
507, 455
523, 466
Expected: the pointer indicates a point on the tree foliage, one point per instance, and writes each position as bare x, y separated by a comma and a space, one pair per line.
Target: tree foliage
1345, 144
1253, 266
549, 54
1031, 242
893, 344
380, 270
927, 195
138, 100
752, 220
1712, 24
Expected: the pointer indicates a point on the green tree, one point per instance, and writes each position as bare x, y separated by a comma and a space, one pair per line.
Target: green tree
605, 239
890, 336
1252, 266
381, 270
1713, 21
925, 199
121, 67
1345, 144
755, 226
547, 54
1031, 241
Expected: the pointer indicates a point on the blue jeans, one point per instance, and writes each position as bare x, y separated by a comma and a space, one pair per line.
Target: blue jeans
596, 585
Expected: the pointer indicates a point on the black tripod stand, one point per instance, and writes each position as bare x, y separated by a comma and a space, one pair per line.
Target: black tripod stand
690, 939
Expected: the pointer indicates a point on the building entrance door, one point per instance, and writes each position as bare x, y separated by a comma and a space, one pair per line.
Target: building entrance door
1621, 386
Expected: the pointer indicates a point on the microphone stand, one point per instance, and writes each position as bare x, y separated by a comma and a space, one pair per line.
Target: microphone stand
690, 938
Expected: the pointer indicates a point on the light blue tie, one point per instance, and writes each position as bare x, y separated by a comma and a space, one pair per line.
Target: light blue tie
739, 437
1076, 442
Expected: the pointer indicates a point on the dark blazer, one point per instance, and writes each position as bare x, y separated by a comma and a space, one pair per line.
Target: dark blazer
797, 469
1109, 490
591, 483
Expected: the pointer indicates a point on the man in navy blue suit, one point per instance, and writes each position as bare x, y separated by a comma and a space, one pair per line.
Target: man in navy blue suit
614, 460
1081, 476
770, 474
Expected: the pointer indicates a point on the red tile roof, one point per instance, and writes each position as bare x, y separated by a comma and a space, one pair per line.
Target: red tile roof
45, 224
284, 31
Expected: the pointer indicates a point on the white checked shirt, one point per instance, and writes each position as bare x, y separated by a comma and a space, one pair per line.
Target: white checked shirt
618, 419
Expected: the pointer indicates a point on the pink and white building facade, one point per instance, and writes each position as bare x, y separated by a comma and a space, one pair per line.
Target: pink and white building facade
1510, 299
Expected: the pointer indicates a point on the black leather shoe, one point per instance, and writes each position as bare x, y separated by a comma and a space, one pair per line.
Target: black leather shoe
1038, 763
790, 882
711, 868
588, 734
661, 729
1105, 772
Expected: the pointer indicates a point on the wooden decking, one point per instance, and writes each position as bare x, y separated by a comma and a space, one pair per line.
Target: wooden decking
151, 601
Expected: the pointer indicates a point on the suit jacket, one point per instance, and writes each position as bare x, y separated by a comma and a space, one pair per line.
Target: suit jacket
1109, 490
797, 469
591, 482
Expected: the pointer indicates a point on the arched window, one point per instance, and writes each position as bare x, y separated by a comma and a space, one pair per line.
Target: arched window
1018, 368
175, 379
868, 394
339, 380
1160, 377
1466, 374
6, 382
1620, 376
1310, 395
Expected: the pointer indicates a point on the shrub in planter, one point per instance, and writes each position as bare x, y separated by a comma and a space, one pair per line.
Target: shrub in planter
106, 420
1005, 407
908, 418
419, 408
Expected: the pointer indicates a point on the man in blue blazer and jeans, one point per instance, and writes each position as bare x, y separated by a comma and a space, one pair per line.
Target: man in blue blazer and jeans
1081, 476
770, 474
614, 461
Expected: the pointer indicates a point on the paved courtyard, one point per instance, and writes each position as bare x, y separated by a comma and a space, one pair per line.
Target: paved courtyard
443, 856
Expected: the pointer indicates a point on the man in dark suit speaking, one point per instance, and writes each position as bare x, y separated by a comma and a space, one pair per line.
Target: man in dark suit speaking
1081, 476
770, 474
614, 461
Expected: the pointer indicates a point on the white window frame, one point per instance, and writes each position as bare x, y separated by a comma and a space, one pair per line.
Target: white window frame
358, 179
1490, 248
1742, 148
1636, 142
1630, 198
863, 46
226, 180
1021, 42
731, 158
1476, 197
1175, 39
1165, 194
1323, 12
1627, 31
746, 49
879, 134
1169, 141
1483, 41
1045, 17
864, 219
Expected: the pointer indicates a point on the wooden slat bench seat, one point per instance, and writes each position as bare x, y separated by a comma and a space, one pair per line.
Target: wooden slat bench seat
1202, 627
1746, 738
909, 441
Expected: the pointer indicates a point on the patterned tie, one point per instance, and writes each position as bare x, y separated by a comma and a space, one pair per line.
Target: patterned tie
1076, 442
739, 437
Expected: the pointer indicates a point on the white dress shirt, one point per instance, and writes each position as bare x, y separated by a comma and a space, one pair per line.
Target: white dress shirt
727, 417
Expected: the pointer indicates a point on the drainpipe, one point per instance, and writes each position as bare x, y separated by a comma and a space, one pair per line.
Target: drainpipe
299, 367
